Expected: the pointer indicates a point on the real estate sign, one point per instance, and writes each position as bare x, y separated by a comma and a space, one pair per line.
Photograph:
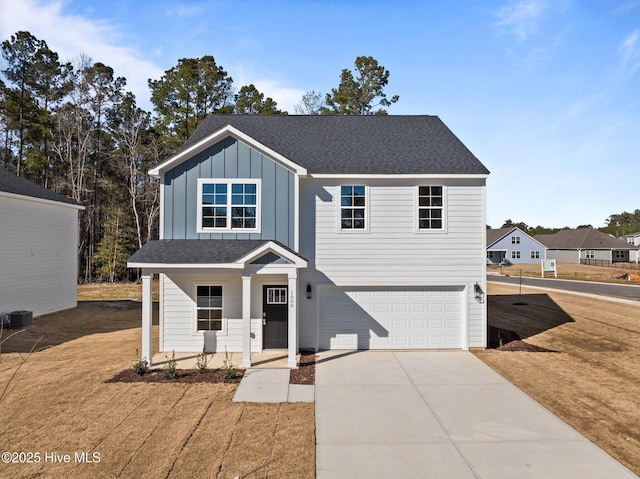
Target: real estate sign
549, 266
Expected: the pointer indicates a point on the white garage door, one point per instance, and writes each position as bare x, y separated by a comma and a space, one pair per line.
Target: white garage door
406, 318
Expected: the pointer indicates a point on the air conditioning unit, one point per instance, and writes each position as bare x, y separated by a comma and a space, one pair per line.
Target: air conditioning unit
20, 319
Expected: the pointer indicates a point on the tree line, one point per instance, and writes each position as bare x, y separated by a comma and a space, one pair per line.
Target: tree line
72, 127
618, 224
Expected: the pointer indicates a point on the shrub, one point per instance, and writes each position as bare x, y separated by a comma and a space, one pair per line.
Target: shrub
169, 368
141, 366
202, 362
228, 368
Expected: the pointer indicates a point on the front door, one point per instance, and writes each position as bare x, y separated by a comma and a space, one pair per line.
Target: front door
274, 317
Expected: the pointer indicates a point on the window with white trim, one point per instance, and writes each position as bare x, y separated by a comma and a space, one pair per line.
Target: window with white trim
276, 295
353, 207
430, 208
515, 240
209, 308
228, 205
535, 254
515, 255
590, 254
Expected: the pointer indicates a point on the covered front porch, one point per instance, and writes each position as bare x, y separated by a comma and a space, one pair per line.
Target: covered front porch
238, 296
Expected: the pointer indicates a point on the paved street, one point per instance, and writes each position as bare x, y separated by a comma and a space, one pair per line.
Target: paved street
605, 289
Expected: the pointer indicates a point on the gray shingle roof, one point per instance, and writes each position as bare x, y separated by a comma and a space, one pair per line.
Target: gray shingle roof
10, 183
582, 238
494, 235
350, 144
193, 251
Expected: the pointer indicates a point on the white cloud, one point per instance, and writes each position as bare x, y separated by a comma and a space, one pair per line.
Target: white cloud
186, 11
71, 35
630, 51
286, 97
521, 18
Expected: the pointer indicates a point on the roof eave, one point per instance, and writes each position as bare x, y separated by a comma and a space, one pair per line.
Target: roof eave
41, 200
434, 176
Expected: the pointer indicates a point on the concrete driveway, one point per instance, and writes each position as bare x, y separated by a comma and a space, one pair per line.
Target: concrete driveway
440, 415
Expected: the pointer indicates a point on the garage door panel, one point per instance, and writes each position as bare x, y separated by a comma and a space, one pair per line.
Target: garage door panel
390, 319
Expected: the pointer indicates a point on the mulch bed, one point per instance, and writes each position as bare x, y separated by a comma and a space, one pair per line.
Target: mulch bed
306, 372
183, 376
506, 340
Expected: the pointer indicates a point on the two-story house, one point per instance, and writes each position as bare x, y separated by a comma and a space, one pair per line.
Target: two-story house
511, 245
320, 232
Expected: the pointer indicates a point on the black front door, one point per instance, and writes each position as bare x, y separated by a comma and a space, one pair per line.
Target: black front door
274, 317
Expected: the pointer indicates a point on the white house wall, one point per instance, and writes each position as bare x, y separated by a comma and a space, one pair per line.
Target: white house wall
38, 256
392, 252
178, 315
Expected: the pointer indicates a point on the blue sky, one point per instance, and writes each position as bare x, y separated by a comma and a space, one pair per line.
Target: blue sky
545, 93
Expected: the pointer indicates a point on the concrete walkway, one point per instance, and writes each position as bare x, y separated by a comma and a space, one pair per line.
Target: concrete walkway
440, 415
271, 385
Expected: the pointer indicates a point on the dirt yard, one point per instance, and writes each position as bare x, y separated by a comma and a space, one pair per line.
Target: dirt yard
593, 380
55, 403
581, 272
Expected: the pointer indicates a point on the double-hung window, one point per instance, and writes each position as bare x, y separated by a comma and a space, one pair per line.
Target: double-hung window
353, 207
430, 208
228, 205
209, 308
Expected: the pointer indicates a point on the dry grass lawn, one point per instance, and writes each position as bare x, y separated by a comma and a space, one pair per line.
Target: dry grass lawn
573, 271
593, 381
55, 401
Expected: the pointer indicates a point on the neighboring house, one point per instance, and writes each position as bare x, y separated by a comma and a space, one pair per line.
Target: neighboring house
320, 232
38, 247
632, 239
587, 245
512, 246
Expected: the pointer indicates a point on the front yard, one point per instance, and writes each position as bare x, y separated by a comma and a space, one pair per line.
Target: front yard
592, 382
55, 403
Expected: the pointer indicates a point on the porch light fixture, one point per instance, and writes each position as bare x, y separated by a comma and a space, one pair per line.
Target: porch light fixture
478, 293
308, 290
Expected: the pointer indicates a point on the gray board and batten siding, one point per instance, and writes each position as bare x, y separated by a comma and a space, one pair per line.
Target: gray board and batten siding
230, 158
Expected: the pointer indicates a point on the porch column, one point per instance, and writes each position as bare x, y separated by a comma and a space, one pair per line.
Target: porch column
246, 321
147, 308
293, 319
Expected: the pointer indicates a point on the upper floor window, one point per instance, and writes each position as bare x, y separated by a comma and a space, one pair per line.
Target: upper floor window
228, 205
353, 205
515, 240
535, 254
430, 208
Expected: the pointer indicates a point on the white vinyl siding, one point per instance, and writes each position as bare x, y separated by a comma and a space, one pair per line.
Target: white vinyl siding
395, 252
179, 309
38, 256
